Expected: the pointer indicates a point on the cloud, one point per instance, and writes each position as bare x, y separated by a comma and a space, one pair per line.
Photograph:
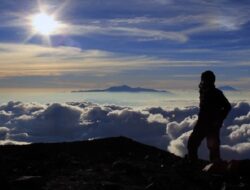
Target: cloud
178, 145
196, 17
175, 129
111, 30
37, 60
26, 65
143, 28
78, 121
3, 132
243, 119
175, 20
235, 135
23, 60
239, 131
167, 129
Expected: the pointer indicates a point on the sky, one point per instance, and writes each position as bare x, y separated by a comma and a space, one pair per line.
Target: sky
163, 44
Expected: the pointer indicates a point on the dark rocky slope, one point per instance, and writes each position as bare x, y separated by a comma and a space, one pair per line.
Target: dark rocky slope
109, 164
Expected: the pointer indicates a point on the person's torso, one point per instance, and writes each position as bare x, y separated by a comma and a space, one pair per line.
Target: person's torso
210, 105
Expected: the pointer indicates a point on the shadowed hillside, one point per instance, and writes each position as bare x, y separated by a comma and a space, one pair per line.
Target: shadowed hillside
114, 163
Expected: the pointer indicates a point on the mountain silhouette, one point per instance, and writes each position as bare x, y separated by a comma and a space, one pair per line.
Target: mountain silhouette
115, 163
122, 88
228, 88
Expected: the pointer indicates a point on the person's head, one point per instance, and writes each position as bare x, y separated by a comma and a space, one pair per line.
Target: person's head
207, 79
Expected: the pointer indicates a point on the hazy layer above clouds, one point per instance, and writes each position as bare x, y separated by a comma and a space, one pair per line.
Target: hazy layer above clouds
166, 129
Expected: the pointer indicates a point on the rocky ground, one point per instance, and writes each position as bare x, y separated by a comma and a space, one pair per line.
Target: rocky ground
111, 164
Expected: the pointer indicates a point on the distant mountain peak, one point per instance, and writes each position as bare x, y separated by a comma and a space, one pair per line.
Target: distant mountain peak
227, 88
122, 88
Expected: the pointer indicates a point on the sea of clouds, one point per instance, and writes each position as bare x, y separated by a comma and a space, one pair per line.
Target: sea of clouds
22, 123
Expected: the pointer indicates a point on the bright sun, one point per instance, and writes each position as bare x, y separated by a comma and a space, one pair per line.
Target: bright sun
44, 24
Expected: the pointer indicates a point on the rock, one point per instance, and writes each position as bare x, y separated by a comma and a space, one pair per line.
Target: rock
216, 168
126, 167
111, 186
28, 182
233, 166
120, 165
146, 157
244, 166
152, 186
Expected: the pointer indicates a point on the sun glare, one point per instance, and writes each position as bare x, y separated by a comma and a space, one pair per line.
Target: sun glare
44, 24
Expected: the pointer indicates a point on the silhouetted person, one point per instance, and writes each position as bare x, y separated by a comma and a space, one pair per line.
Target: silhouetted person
214, 107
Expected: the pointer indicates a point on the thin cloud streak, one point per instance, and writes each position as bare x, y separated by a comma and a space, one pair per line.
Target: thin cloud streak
178, 28
32, 60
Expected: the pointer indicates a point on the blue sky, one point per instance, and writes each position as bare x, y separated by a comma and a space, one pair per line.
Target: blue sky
162, 44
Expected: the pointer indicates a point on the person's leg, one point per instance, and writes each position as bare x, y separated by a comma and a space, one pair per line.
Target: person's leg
194, 142
213, 144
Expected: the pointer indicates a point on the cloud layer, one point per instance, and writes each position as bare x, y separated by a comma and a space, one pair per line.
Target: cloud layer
22, 123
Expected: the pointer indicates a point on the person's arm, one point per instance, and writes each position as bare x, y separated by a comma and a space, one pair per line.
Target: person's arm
225, 106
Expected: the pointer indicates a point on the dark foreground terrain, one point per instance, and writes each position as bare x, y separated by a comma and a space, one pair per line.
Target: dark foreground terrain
110, 164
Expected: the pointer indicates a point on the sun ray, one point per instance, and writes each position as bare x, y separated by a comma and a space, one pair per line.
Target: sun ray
44, 23
60, 8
